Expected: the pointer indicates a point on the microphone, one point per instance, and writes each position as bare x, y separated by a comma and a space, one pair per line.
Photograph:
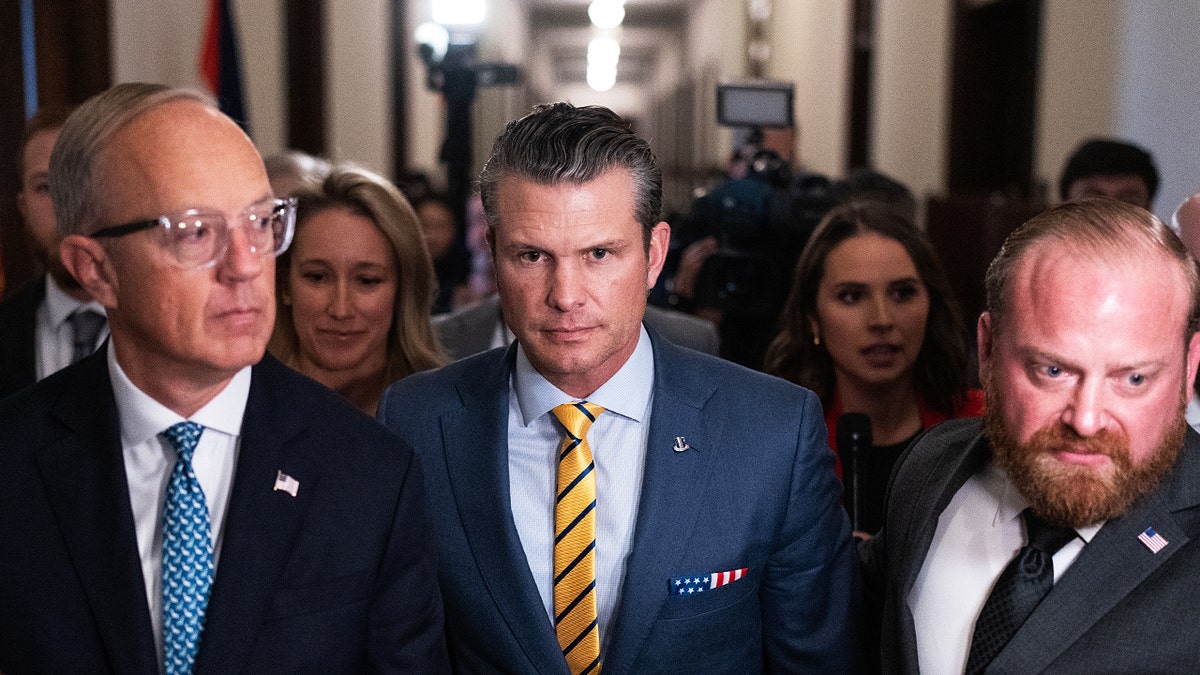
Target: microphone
853, 442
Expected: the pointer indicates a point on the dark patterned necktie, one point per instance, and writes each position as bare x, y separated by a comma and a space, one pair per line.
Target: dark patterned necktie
86, 326
1018, 591
187, 555
575, 617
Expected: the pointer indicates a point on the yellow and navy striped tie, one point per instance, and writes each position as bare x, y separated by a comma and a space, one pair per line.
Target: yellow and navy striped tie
575, 618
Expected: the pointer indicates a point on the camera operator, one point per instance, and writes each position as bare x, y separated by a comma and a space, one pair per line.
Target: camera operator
739, 242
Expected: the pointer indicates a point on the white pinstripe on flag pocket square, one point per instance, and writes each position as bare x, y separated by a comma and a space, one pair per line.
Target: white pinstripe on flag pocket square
699, 583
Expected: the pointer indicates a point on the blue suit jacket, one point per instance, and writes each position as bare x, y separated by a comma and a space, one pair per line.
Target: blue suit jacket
755, 490
339, 578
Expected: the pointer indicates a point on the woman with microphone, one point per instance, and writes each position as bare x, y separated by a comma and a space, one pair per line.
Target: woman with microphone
870, 325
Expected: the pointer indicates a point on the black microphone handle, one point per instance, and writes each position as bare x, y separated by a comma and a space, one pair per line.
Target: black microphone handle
854, 441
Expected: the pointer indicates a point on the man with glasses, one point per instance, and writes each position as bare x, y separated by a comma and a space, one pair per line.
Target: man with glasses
178, 501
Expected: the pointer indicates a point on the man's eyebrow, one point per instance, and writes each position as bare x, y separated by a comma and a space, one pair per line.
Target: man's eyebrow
1030, 353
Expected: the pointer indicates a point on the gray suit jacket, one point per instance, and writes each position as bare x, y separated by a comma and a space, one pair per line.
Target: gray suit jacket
469, 331
1118, 609
755, 489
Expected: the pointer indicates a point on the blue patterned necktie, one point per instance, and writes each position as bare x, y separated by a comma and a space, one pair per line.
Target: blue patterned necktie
187, 555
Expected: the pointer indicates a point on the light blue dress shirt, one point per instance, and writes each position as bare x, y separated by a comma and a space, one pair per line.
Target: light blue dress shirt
618, 442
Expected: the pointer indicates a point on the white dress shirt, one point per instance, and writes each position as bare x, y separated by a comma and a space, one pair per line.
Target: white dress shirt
53, 336
618, 442
149, 460
1193, 413
977, 535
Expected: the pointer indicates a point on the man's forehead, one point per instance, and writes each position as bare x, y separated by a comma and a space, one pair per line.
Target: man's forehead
1055, 280
180, 151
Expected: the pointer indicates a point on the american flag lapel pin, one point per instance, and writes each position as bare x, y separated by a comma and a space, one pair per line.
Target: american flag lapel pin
286, 483
1153, 540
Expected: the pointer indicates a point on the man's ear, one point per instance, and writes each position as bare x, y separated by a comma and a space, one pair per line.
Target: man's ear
984, 343
660, 241
87, 261
1193, 362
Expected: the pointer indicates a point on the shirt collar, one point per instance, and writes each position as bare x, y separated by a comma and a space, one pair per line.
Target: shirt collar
59, 305
1011, 503
143, 418
626, 393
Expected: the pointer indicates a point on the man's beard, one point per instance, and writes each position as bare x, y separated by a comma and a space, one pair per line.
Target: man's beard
1077, 495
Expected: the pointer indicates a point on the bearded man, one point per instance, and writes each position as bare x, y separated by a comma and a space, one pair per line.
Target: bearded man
1055, 535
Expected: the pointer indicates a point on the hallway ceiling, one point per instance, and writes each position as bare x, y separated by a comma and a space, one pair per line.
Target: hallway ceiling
562, 27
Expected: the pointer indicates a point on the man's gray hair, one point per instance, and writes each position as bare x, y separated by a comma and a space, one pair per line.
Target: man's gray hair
561, 143
74, 187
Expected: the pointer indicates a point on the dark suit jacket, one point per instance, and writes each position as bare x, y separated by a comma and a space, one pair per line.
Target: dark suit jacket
1118, 609
469, 331
755, 490
18, 317
339, 578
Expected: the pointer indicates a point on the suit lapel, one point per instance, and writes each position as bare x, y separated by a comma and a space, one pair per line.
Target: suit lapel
261, 523
669, 501
476, 450
942, 480
1108, 570
84, 476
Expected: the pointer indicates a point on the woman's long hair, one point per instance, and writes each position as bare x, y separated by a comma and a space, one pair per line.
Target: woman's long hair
411, 345
940, 369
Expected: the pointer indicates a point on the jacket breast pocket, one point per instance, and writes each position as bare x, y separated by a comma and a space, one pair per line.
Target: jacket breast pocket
691, 604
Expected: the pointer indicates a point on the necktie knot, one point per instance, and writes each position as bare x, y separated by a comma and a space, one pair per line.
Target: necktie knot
1043, 536
183, 437
577, 418
85, 327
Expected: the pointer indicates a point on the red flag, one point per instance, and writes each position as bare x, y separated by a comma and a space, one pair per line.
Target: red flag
220, 63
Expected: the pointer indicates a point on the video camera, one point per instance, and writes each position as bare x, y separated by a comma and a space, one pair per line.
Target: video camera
762, 219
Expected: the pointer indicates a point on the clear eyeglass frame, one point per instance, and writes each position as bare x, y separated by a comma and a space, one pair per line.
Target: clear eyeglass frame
198, 238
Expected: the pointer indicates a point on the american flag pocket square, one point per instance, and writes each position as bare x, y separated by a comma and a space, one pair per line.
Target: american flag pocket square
698, 583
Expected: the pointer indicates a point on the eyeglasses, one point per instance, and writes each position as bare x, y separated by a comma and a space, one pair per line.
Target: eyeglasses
198, 238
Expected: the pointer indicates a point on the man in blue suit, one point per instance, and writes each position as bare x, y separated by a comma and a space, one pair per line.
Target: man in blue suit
601, 497
177, 502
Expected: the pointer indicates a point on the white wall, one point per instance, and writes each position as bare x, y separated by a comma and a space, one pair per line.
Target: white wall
160, 42
1078, 83
358, 99
810, 47
715, 52
1159, 103
912, 98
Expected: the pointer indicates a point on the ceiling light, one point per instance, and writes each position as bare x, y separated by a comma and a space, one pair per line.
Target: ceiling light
458, 12
604, 51
606, 13
601, 77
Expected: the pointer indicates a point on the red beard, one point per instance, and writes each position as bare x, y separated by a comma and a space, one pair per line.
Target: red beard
1076, 495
